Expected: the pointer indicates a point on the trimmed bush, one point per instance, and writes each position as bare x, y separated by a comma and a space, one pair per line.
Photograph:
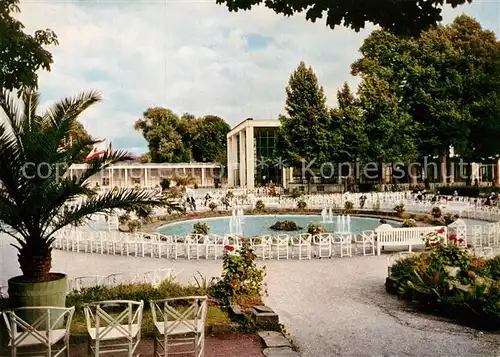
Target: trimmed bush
436, 212
348, 205
260, 205
399, 209
314, 228
409, 222
301, 204
212, 206
201, 228
287, 226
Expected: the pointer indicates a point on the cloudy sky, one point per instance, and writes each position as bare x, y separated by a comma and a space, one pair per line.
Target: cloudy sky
190, 56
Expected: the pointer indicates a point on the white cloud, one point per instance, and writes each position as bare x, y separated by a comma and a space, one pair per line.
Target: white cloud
188, 56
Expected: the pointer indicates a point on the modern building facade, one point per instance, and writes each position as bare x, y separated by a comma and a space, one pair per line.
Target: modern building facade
252, 154
150, 175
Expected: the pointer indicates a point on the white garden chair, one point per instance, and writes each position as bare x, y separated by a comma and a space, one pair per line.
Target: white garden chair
262, 246
51, 327
302, 246
114, 326
367, 242
323, 243
179, 325
214, 246
83, 282
195, 246
344, 242
167, 246
281, 246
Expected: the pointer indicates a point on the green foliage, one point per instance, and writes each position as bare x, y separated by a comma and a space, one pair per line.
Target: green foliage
288, 226
436, 212
212, 206
21, 54
166, 289
301, 204
448, 218
134, 225
124, 218
399, 209
348, 205
409, 222
315, 228
183, 139
401, 17
240, 276
165, 184
305, 128
35, 205
259, 205
201, 228
229, 195
144, 213
424, 78
205, 285
449, 281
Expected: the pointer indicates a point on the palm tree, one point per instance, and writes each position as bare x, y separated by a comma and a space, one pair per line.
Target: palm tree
35, 188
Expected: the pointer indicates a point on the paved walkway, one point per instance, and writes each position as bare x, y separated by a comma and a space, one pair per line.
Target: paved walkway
330, 307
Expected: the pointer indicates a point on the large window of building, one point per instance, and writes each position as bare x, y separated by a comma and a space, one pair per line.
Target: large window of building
267, 169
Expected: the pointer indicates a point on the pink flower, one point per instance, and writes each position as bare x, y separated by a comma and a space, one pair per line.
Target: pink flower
472, 274
228, 248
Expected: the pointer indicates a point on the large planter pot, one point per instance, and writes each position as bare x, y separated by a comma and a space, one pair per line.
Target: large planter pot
46, 293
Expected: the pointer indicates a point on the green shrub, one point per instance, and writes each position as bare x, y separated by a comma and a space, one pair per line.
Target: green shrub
259, 205
288, 226
348, 205
399, 209
315, 228
241, 277
449, 281
301, 204
134, 225
229, 195
124, 218
201, 228
296, 193
436, 212
448, 218
409, 222
212, 206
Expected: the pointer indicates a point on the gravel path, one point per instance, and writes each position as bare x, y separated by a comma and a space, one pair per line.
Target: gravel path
334, 307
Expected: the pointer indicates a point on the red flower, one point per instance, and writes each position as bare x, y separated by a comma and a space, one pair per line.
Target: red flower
437, 276
249, 256
453, 237
228, 248
469, 246
472, 274
440, 231
461, 240
234, 284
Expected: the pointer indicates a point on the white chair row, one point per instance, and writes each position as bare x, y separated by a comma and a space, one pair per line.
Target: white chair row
112, 327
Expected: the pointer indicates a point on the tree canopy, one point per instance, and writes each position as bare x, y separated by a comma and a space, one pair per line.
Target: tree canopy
305, 127
397, 16
447, 81
21, 54
183, 139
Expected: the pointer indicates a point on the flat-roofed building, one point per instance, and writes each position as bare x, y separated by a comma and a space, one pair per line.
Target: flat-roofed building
251, 154
150, 175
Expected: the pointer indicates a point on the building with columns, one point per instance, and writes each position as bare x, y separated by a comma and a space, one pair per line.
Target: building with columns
150, 175
251, 154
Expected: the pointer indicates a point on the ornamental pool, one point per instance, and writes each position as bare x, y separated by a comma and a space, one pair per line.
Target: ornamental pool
256, 225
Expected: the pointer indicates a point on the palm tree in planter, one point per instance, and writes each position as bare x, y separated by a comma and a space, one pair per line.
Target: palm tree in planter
37, 194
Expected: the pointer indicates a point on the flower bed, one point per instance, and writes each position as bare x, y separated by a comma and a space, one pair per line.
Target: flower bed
449, 281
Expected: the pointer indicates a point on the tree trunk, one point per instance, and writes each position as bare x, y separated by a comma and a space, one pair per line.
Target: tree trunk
35, 259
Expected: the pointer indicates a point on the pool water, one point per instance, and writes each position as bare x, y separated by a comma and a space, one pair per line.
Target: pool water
259, 224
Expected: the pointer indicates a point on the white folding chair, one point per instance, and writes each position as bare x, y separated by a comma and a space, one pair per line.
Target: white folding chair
179, 325
302, 246
114, 326
214, 246
51, 326
344, 242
